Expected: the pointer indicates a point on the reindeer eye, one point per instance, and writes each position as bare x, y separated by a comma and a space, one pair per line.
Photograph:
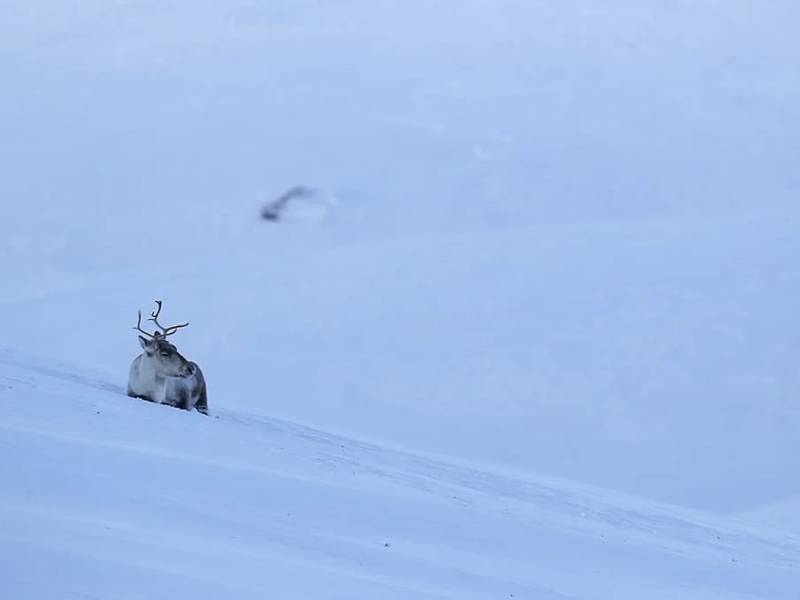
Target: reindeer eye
166, 353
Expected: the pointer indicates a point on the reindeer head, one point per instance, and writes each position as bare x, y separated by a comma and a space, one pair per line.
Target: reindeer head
168, 361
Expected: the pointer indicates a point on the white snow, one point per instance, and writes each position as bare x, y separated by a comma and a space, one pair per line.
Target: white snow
535, 330
107, 497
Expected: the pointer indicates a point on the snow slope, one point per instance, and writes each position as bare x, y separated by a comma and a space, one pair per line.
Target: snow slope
654, 357
107, 497
553, 251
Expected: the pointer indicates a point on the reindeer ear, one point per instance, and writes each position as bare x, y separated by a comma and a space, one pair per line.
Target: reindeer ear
143, 341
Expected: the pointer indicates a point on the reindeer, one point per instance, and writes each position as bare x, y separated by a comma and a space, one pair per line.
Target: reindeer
161, 375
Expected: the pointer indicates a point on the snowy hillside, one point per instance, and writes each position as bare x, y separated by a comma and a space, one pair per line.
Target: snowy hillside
547, 277
114, 498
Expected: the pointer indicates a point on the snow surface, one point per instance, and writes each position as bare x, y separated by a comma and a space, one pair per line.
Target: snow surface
108, 497
535, 330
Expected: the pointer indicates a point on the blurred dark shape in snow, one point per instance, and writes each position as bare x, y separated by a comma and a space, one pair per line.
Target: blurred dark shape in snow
273, 210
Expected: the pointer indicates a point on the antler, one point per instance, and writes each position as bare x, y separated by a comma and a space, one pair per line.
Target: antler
139, 327
165, 331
